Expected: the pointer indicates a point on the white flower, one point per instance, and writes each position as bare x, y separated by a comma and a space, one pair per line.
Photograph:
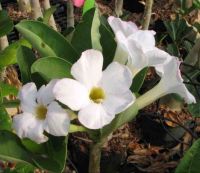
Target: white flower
40, 113
135, 46
97, 95
171, 80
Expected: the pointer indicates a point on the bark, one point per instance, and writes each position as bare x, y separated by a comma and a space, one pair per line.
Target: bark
36, 11
24, 5
119, 7
70, 14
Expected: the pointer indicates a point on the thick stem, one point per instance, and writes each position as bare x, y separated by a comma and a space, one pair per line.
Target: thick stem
70, 14
35, 9
3, 40
24, 5
119, 7
147, 14
46, 5
95, 156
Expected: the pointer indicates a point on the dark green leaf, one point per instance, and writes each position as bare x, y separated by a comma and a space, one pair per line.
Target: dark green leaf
173, 49
194, 109
51, 68
138, 80
5, 120
47, 41
25, 58
84, 32
8, 55
190, 161
6, 24
12, 149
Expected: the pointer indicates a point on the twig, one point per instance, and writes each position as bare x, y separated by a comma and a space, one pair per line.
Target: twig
147, 14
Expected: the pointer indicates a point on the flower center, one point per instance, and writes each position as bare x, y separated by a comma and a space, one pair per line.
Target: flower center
97, 94
41, 112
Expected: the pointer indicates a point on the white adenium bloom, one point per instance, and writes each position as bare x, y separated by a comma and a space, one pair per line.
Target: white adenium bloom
40, 113
97, 95
135, 47
171, 80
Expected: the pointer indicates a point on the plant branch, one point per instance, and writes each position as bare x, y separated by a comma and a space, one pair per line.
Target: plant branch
119, 7
147, 14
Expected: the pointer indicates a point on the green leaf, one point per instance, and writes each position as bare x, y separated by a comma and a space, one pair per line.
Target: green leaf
51, 68
95, 35
190, 161
194, 109
12, 149
6, 89
173, 49
25, 58
47, 41
6, 24
138, 80
47, 13
88, 4
57, 147
177, 29
8, 55
5, 120
84, 31
23, 168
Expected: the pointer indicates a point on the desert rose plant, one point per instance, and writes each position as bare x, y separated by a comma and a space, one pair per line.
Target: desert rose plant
87, 79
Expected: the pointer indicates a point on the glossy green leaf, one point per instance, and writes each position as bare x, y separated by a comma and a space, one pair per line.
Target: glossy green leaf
6, 24
194, 109
84, 32
25, 58
88, 4
51, 68
7, 89
47, 41
138, 80
190, 161
5, 120
8, 55
12, 149
57, 147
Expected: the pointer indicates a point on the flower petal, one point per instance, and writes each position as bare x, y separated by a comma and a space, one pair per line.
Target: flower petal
127, 28
94, 116
57, 120
88, 69
45, 93
144, 38
78, 3
27, 96
71, 93
27, 126
156, 57
116, 103
116, 78
172, 81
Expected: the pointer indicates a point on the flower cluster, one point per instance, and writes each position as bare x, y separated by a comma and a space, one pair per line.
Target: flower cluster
97, 95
